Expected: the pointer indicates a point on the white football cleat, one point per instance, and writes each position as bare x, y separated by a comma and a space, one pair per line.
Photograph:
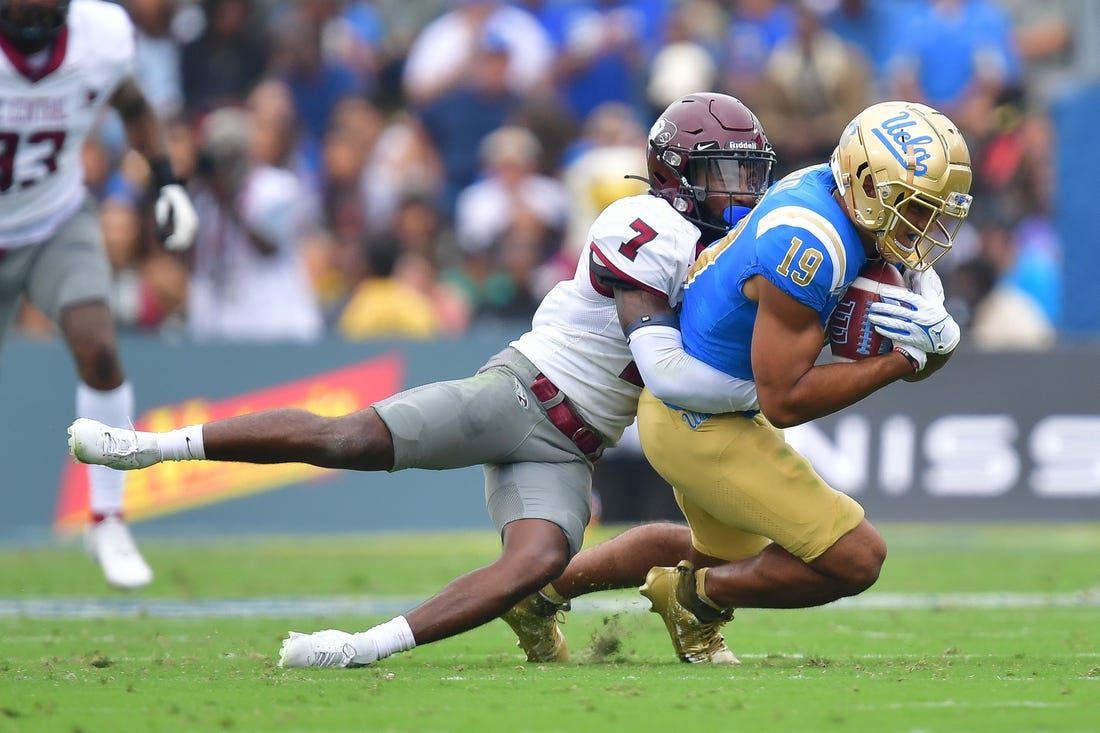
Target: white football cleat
328, 648
90, 441
110, 544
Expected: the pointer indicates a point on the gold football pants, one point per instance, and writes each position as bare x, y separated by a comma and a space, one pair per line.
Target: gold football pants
740, 485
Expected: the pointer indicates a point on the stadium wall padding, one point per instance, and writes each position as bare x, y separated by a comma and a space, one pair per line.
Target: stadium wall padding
1077, 162
993, 437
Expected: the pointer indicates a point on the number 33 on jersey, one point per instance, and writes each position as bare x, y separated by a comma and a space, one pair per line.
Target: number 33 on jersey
48, 104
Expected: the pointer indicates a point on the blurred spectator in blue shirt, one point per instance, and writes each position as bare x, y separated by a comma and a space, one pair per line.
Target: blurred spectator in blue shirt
603, 51
444, 51
317, 84
756, 28
228, 58
354, 36
459, 119
870, 25
955, 55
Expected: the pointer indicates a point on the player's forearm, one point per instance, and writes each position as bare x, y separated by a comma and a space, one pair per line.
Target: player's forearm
674, 376
143, 129
827, 388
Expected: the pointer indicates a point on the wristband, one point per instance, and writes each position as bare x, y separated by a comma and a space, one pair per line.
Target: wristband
908, 357
161, 171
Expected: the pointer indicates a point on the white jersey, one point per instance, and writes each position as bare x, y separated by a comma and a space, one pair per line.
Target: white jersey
576, 339
48, 106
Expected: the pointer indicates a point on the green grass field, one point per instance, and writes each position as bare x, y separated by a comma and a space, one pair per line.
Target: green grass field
991, 628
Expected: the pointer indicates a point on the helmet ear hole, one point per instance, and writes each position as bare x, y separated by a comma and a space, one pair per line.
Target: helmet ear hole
868, 186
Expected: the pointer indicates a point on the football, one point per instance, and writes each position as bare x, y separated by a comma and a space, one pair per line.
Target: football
851, 335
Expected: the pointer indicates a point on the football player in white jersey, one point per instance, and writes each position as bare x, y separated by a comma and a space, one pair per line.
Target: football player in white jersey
60, 63
539, 413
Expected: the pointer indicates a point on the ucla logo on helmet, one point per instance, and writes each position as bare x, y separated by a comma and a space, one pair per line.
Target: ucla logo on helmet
896, 134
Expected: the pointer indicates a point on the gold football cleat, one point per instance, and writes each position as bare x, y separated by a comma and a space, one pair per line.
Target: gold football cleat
695, 627
535, 621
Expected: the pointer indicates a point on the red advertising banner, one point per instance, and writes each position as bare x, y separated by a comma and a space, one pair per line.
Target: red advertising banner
178, 486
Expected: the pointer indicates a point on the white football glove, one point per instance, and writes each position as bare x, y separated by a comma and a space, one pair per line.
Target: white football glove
925, 283
177, 222
910, 319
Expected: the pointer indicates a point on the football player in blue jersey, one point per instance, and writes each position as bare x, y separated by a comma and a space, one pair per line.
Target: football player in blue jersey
765, 530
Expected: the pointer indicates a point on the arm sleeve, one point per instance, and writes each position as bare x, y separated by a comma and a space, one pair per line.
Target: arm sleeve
674, 376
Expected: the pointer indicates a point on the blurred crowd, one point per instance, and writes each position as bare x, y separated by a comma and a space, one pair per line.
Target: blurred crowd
415, 168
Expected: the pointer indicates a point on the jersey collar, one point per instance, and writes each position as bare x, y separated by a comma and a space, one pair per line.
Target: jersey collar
19, 60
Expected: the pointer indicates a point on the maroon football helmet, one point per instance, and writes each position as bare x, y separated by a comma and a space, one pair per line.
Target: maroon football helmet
709, 146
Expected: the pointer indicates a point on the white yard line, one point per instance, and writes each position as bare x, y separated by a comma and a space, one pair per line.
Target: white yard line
323, 606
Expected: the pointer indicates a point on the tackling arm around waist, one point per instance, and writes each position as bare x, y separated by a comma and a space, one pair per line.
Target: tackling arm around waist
676, 377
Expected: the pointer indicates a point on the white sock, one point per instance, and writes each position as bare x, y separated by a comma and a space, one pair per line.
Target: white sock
112, 407
184, 444
379, 642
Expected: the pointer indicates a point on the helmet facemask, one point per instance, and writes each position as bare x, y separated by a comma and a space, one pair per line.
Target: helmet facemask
735, 178
919, 229
32, 27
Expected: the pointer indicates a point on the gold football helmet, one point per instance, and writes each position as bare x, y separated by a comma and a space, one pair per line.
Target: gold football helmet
904, 170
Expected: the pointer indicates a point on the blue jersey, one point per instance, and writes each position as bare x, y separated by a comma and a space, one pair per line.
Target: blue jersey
799, 238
